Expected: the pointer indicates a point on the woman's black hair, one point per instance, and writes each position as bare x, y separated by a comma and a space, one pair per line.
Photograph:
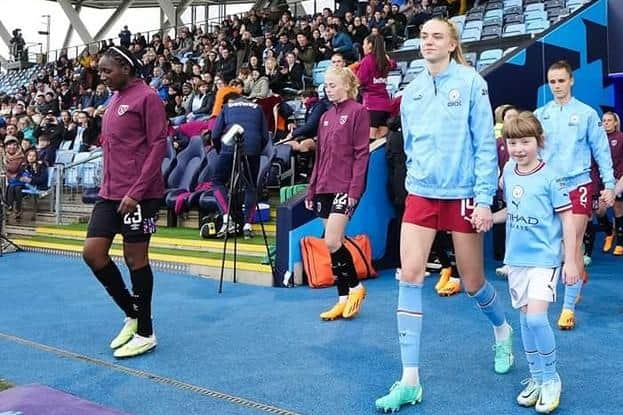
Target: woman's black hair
123, 57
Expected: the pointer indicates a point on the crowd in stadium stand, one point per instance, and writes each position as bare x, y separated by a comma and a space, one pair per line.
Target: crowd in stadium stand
266, 56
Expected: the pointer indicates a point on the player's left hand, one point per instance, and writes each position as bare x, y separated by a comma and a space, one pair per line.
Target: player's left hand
482, 218
607, 196
352, 202
127, 205
570, 273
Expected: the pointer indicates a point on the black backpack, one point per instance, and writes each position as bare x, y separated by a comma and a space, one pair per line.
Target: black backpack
210, 225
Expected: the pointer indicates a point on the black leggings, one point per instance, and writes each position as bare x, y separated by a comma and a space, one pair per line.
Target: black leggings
14, 196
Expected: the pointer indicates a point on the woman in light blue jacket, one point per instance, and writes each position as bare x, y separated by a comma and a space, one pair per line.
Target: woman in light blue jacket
451, 154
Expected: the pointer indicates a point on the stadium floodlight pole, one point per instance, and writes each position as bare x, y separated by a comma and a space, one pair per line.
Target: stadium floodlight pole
47, 36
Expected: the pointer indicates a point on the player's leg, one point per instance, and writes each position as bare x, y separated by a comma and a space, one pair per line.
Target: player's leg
415, 245
567, 317
605, 226
137, 229
441, 246
542, 292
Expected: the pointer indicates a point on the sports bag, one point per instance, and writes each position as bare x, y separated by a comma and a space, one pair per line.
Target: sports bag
317, 260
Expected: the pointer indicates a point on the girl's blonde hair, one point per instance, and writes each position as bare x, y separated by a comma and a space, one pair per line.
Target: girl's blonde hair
617, 119
348, 78
453, 31
524, 125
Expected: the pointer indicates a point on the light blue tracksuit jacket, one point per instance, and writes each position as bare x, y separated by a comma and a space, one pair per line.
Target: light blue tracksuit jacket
449, 141
573, 133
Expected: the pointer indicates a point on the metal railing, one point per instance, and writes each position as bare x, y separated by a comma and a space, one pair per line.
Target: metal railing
78, 184
73, 52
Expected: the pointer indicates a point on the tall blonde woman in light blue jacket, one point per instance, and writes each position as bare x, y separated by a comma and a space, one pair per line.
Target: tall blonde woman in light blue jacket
451, 154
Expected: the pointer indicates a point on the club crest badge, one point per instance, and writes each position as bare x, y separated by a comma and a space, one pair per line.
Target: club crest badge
518, 192
122, 109
343, 119
454, 95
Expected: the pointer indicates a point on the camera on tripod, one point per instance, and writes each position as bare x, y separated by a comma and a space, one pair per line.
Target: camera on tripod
235, 135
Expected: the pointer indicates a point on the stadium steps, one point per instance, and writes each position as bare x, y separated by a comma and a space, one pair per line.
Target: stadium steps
172, 249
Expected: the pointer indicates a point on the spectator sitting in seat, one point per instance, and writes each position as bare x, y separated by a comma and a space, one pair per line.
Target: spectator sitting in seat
47, 154
27, 128
13, 159
52, 102
260, 87
101, 96
303, 139
200, 102
32, 174
291, 73
341, 42
305, 53
83, 137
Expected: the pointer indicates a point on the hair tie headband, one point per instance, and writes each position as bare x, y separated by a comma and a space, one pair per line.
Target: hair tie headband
126, 57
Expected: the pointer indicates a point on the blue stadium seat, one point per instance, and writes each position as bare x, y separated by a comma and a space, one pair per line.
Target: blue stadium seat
474, 15
471, 58
473, 24
411, 44
394, 79
402, 66
494, 5
319, 70
508, 4
459, 21
168, 163
534, 6
418, 64
183, 177
491, 55
471, 35
491, 32
535, 15
537, 26
64, 156
554, 4
514, 30
514, 18
493, 14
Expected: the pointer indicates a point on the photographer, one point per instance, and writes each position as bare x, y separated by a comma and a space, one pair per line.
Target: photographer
50, 127
238, 110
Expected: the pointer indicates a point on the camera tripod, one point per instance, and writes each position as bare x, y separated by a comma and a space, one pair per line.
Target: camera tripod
241, 178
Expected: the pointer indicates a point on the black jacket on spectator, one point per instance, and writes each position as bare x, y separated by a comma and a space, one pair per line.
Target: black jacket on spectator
312, 118
227, 67
207, 102
89, 137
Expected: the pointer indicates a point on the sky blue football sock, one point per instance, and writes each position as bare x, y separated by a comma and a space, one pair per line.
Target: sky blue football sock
571, 295
409, 315
545, 343
529, 347
489, 303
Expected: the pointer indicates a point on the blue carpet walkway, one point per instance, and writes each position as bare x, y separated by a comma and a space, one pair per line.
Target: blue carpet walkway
255, 350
